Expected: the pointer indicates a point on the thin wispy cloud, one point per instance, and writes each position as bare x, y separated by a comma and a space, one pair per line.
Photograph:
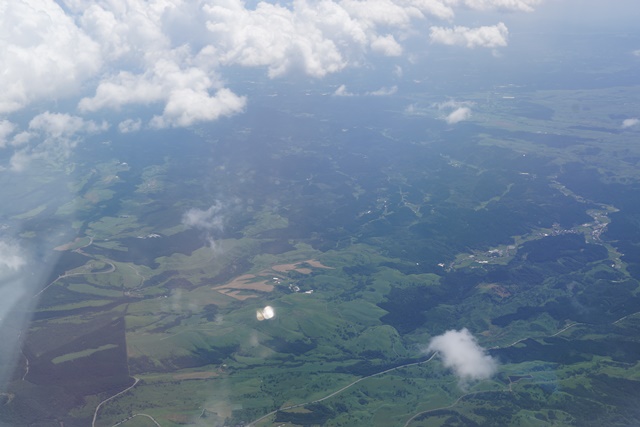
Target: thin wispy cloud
14, 307
384, 91
488, 36
209, 221
51, 137
11, 257
413, 110
6, 129
130, 125
460, 352
627, 123
342, 91
513, 5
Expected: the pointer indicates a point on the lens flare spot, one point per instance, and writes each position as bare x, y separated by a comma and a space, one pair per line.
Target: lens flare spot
265, 313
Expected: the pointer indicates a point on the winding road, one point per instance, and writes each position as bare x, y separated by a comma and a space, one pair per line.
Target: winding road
95, 414
342, 389
418, 363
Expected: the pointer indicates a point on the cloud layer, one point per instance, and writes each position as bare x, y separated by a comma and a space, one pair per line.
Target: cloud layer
153, 64
171, 54
460, 352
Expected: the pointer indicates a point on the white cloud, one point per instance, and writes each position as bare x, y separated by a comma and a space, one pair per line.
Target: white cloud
412, 110
342, 91
130, 125
384, 91
6, 129
453, 104
386, 45
15, 284
51, 137
11, 257
627, 123
162, 78
312, 37
21, 138
171, 55
57, 125
211, 219
518, 5
44, 55
185, 93
137, 35
458, 115
460, 352
457, 111
126, 30
488, 36
187, 106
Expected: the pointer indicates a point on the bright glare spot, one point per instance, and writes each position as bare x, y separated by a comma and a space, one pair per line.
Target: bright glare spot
268, 312
265, 314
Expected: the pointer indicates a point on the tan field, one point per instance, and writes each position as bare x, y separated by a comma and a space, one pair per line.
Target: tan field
248, 281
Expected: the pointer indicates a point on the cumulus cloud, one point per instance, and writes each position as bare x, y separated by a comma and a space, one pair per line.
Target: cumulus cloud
456, 111
460, 352
627, 123
458, 115
185, 92
171, 55
187, 106
57, 125
44, 55
487, 36
386, 45
280, 38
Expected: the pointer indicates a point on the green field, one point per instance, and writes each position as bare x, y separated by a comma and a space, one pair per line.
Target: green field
520, 226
